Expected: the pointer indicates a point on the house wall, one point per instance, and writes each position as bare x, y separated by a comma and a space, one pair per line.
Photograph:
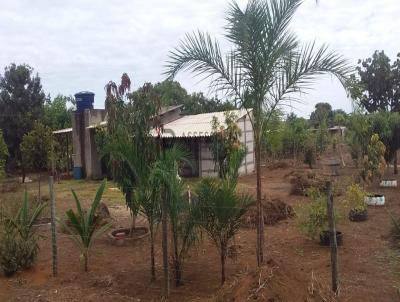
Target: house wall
206, 161
92, 159
247, 138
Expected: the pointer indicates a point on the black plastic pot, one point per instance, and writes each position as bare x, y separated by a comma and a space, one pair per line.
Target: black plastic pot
357, 215
324, 238
8, 274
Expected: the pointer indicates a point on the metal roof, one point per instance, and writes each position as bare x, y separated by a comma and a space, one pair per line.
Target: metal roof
66, 130
198, 125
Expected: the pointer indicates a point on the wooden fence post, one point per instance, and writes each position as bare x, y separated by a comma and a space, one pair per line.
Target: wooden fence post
332, 239
53, 226
164, 222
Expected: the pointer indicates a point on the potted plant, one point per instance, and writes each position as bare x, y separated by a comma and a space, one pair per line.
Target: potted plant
313, 218
355, 200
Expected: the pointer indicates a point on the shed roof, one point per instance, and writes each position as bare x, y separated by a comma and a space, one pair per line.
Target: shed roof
198, 125
66, 130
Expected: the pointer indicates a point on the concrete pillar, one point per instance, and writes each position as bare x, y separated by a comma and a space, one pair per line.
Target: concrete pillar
78, 145
92, 158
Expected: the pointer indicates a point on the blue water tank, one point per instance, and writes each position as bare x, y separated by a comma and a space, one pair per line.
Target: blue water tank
78, 173
84, 100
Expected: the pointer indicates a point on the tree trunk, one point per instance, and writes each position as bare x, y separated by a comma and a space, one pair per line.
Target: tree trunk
39, 197
223, 258
260, 218
23, 174
153, 265
178, 272
177, 262
133, 225
128, 201
395, 169
85, 260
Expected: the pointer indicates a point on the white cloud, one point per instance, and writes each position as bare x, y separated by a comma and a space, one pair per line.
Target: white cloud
81, 45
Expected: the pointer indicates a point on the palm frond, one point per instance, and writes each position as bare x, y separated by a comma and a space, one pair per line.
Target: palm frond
201, 54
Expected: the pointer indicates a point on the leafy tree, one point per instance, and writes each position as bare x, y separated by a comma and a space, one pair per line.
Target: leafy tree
323, 112
3, 154
171, 93
198, 103
310, 153
322, 138
225, 141
85, 226
358, 134
131, 150
21, 103
273, 135
374, 162
387, 124
295, 134
36, 150
265, 66
339, 118
375, 87
59, 156
57, 115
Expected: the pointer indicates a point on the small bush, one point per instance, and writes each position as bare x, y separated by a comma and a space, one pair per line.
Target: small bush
15, 252
313, 216
18, 241
354, 197
374, 162
310, 154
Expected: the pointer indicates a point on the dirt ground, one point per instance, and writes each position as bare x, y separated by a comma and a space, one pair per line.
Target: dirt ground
368, 264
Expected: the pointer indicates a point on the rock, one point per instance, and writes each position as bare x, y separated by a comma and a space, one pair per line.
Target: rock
102, 211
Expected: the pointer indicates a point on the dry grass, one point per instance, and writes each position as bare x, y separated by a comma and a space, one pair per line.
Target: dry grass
85, 189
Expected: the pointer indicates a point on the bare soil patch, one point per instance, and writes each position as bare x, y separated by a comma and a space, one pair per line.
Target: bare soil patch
368, 263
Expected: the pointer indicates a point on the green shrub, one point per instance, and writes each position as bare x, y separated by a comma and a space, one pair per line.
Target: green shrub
18, 241
313, 216
354, 197
15, 252
374, 162
310, 154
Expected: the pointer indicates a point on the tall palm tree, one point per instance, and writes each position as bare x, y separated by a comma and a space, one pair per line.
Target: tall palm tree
266, 65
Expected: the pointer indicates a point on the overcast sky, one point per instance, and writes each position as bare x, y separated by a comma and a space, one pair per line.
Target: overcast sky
79, 45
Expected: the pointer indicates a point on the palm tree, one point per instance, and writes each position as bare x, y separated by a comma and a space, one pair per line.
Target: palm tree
124, 163
220, 210
84, 226
180, 212
266, 65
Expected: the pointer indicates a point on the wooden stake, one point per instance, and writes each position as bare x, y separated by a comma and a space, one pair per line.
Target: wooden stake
164, 225
332, 239
53, 227
165, 244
